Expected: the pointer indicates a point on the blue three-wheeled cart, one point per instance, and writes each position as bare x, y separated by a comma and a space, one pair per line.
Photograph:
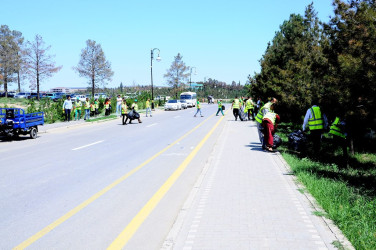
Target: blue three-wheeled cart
15, 122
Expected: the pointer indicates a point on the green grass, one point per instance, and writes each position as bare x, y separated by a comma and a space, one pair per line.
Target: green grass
12, 101
110, 117
348, 195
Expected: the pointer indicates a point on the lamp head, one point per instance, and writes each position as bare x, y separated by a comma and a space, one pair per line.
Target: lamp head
158, 58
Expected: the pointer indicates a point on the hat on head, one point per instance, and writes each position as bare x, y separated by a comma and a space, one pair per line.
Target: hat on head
135, 100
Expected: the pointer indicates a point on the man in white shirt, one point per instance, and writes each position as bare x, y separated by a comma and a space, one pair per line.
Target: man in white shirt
67, 107
118, 105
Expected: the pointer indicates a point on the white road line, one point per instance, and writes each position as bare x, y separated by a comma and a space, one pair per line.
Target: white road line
151, 125
91, 144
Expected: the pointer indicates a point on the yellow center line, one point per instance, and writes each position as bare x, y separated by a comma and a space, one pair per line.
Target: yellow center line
136, 222
84, 204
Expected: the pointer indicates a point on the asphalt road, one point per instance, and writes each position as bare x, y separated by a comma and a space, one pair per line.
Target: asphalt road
81, 187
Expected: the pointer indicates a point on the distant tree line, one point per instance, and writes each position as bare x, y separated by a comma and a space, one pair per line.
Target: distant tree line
334, 63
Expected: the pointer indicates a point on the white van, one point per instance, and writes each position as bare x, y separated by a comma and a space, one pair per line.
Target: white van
190, 98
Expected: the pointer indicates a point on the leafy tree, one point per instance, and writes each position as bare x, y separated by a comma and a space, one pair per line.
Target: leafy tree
352, 54
177, 73
39, 64
9, 51
94, 66
293, 65
19, 60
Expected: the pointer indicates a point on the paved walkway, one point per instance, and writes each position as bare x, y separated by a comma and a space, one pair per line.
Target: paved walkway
246, 199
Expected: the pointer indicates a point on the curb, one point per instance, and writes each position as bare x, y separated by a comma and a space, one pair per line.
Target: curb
345, 243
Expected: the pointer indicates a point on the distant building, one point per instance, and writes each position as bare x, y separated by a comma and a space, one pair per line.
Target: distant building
68, 89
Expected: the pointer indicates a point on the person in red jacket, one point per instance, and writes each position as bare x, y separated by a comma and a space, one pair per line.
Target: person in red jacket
269, 123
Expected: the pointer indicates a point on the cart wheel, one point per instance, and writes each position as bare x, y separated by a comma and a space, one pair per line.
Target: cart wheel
33, 133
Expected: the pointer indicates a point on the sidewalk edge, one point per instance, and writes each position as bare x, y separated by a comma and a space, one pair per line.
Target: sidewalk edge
316, 206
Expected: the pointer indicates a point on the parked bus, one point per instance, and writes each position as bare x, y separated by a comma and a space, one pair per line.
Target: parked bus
190, 98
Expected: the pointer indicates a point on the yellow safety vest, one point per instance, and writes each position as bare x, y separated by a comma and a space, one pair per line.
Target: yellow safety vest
259, 115
92, 107
124, 108
147, 104
96, 105
335, 130
198, 105
316, 121
78, 104
248, 104
271, 116
135, 106
236, 104
219, 105
87, 105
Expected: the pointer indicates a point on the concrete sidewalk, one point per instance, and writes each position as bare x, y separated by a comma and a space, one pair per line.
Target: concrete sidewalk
246, 198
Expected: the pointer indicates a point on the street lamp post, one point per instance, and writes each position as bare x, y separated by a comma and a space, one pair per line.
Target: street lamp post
151, 69
190, 78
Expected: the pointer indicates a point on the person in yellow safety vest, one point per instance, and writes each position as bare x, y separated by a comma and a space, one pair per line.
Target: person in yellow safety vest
220, 107
198, 106
148, 109
124, 111
92, 109
77, 106
316, 122
96, 105
338, 130
249, 108
87, 109
107, 107
260, 115
269, 123
235, 107
134, 106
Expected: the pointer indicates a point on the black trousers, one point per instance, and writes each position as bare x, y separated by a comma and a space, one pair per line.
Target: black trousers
236, 113
316, 140
125, 118
67, 114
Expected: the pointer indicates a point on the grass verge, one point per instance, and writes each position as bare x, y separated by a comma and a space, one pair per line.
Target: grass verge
348, 195
110, 117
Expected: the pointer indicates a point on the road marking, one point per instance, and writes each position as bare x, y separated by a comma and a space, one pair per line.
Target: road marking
91, 144
151, 125
136, 222
84, 204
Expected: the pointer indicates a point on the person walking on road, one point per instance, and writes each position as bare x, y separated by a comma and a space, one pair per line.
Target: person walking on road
124, 111
269, 123
220, 107
317, 123
249, 107
235, 107
260, 115
67, 108
148, 109
77, 111
87, 109
198, 105
118, 105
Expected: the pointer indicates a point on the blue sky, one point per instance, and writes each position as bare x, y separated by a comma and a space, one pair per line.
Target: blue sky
224, 40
